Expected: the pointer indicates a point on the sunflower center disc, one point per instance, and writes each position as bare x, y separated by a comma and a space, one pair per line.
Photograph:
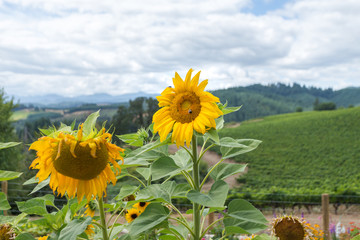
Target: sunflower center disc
84, 166
185, 107
289, 229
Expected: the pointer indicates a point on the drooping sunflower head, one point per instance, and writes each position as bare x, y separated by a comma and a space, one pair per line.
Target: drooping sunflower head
77, 161
6, 232
141, 206
290, 228
132, 214
184, 108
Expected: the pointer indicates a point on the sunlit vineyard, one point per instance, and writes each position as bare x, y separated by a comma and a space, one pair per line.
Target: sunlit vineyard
303, 154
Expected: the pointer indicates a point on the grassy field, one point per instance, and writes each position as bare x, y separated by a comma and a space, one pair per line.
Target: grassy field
302, 153
21, 114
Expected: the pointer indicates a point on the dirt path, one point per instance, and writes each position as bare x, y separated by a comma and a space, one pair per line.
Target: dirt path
211, 158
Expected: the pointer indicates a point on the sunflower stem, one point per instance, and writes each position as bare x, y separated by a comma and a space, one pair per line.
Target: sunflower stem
102, 219
196, 178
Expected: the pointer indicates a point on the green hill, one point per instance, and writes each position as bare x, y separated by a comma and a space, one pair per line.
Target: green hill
260, 100
302, 153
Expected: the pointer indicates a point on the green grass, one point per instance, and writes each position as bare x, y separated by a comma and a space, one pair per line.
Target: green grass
308, 152
21, 114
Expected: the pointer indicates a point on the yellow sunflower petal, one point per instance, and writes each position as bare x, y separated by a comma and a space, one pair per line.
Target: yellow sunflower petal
187, 79
195, 81
178, 83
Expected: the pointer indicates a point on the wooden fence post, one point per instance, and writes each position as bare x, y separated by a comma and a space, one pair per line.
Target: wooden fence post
4, 189
325, 215
210, 219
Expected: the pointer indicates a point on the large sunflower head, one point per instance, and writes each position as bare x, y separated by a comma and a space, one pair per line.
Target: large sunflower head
77, 161
290, 228
184, 108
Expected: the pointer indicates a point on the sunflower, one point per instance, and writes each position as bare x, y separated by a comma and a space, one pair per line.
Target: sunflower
132, 214
141, 206
42, 238
90, 209
6, 232
78, 162
184, 108
89, 231
291, 228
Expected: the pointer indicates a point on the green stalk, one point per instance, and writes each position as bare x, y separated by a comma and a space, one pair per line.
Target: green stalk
196, 178
102, 219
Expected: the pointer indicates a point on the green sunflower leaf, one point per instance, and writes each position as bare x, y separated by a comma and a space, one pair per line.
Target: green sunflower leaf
227, 110
4, 204
161, 192
145, 154
90, 123
8, 175
153, 215
224, 170
182, 159
125, 191
33, 206
215, 198
213, 135
31, 181
36, 205
6, 219
25, 236
179, 230
230, 147
125, 237
163, 167
144, 171
8, 144
211, 210
116, 230
219, 122
135, 139
40, 185
266, 237
244, 218
75, 228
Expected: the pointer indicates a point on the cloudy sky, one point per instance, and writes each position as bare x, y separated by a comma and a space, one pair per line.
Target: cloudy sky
82, 47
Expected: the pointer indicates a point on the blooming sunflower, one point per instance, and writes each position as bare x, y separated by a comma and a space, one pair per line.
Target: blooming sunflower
141, 206
184, 108
90, 209
291, 228
89, 231
132, 214
42, 238
6, 232
78, 162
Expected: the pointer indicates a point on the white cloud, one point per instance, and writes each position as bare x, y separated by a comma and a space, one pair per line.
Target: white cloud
84, 47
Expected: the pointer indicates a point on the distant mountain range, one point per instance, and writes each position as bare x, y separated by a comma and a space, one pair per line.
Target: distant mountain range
57, 101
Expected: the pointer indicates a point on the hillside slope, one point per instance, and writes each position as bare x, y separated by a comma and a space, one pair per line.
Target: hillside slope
259, 100
308, 152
